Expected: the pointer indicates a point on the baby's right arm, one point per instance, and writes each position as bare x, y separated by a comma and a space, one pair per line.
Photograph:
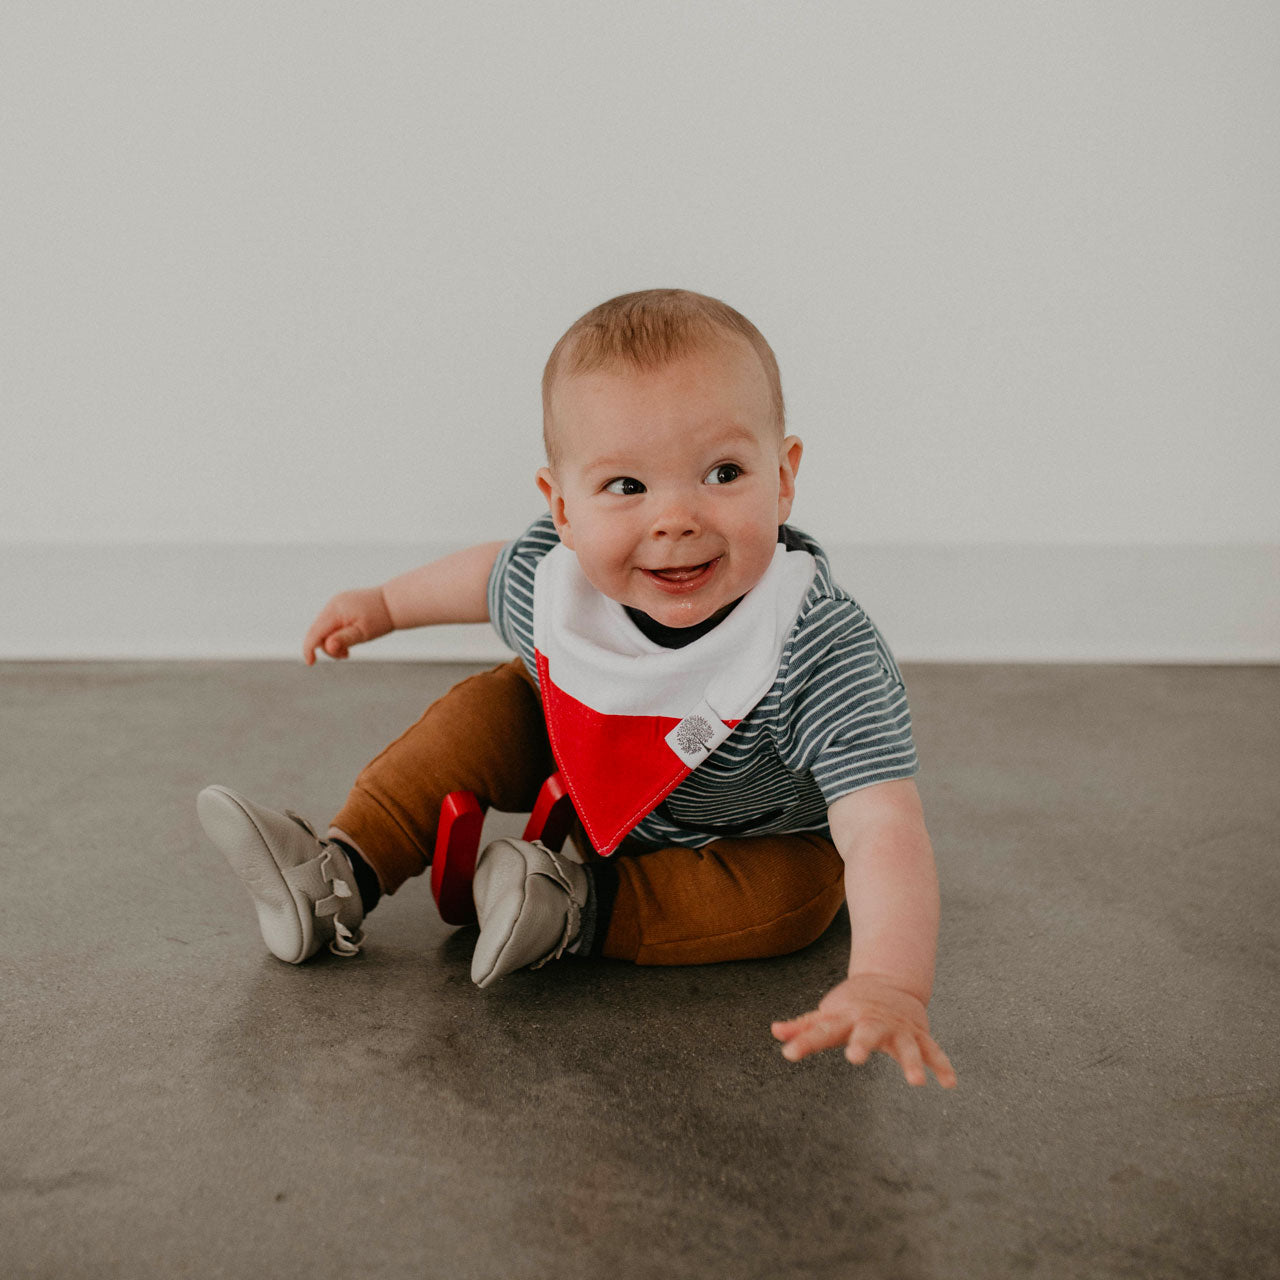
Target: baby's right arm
452, 589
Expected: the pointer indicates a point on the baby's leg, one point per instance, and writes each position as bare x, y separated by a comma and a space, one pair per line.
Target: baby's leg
486, 735
736, 899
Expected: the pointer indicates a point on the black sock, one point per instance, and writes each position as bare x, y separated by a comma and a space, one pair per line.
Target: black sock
367, 885
602, 879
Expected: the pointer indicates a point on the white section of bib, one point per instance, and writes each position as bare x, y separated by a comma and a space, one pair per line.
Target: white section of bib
597, 655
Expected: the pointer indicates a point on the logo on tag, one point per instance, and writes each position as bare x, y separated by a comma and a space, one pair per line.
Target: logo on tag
692, 735
697, 735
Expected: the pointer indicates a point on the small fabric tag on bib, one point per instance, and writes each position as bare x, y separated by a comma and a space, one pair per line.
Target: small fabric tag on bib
698, 735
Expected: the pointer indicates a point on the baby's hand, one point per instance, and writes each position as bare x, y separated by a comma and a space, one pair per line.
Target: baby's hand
352, 617
866, 1013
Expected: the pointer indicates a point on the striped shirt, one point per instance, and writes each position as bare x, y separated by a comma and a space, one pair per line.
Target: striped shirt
835, 719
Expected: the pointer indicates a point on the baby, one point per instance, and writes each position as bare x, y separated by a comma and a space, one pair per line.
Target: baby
731, 727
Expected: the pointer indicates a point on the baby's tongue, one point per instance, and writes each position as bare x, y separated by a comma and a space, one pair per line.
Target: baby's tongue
680, 575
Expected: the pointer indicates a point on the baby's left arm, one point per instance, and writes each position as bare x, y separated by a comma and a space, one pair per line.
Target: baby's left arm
892, 888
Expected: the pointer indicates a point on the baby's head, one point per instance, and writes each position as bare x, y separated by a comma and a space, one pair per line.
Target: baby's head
668, 468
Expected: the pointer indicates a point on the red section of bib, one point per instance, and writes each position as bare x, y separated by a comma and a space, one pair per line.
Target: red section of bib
617, 768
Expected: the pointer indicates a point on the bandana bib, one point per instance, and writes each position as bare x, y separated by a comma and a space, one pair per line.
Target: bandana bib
629, 720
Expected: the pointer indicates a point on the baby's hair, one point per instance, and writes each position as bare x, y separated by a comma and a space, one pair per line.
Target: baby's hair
647, 330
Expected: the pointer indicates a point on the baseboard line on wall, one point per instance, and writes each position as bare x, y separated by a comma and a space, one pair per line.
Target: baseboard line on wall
964, 603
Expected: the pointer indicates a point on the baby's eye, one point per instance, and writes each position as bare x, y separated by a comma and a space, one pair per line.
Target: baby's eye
725, 473
624, 485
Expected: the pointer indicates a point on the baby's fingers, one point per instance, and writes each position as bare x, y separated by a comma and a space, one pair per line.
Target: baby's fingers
911, 1052
868, 1035
336, 645
318, 636
315, 638
907, 1054
939, 1064
793, 1026
819, 1031
785, 1030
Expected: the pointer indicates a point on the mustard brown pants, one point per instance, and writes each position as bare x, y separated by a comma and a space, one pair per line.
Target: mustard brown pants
734, 899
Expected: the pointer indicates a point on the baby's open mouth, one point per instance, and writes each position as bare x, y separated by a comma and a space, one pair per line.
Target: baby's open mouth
684, 575
679, 575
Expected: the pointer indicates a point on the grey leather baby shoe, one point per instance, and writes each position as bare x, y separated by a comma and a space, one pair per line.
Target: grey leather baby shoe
302, 887
529, 902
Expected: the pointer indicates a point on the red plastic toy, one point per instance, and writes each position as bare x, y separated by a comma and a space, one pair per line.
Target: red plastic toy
458, 842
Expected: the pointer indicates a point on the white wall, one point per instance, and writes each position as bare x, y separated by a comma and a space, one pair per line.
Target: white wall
285, 274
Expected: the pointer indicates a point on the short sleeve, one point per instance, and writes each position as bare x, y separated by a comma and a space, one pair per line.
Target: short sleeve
510, 590
849, 724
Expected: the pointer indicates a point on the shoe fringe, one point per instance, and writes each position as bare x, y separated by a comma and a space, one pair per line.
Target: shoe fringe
346, 941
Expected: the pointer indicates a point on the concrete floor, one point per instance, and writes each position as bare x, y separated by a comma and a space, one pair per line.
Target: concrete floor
174, 1102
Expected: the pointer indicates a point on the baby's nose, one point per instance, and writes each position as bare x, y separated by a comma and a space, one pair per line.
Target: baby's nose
676, 520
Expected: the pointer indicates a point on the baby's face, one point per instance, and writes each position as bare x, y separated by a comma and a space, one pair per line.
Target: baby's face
670, 484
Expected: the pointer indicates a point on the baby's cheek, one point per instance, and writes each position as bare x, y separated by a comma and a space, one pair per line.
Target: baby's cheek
606, 576
756, 560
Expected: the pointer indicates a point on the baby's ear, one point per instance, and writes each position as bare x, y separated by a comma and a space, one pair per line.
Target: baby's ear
788, 465
555, 503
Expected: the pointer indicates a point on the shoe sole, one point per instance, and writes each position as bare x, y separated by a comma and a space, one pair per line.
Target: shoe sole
284, 922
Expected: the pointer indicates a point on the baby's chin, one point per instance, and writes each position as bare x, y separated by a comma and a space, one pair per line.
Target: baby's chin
678, 613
